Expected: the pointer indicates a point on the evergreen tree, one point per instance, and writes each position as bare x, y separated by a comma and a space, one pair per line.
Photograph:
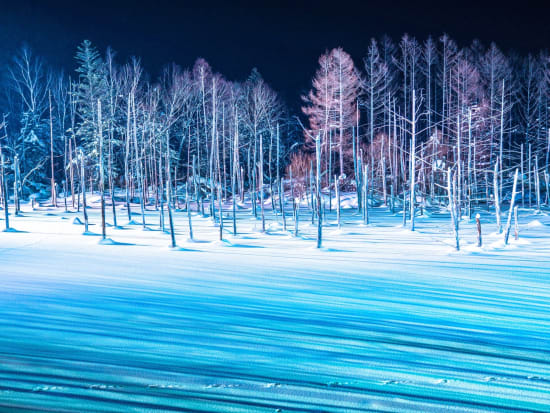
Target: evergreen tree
91, 87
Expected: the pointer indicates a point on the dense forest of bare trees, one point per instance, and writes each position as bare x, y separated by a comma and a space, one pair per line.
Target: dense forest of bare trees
437, 124
417, 124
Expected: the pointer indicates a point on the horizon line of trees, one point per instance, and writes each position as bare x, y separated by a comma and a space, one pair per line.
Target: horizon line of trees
414, 110
127, 130
414, 117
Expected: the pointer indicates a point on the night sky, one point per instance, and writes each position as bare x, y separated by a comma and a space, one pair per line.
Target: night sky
282, 39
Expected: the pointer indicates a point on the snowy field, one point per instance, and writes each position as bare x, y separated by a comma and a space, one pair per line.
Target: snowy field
380, 319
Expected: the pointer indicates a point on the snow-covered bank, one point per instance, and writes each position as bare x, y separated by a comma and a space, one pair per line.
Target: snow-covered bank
380, 319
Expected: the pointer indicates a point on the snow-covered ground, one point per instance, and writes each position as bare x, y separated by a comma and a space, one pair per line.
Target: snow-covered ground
380, 319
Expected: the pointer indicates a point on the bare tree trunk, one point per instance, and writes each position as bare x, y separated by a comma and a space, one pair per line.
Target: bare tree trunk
318, 190
451, 191
280, 185
234, 176
282, 202
341, 99
241, 183
188, 207
413, 159
547, 181
497, 198
16, 185
219, 186
529, 176
296, 218
138, 164
169, 192
269, 163
479, 239
252, 174
65, 178
516, 225
295, 205
358, 171
537, 182
392, 200
170, 218
2, 189
220, 207
111, 183
501, 140
126, 162
71, 170
311, 193
261, 182
337, 187
383, 176
404, 206
52, 181
522, 179
83, 189
4, 194
512, 200
160, 187
459, 166
101, 172
365, 196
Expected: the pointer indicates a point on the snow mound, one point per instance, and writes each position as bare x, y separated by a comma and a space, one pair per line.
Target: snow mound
107, 241
535, 224
13, 230
89, 233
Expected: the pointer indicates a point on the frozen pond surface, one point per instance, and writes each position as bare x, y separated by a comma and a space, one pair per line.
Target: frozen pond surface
381, 319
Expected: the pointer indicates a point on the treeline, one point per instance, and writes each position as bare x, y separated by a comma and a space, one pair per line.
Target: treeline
108, 126
414, 112
399, 125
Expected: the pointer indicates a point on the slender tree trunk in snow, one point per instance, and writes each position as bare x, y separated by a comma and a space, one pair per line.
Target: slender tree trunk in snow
522, 179
413, 160
497, 198
318, 191
547, 182
141, 190
516, 225
188, 207
52, 181
5, 194
261, 182
451, 191
512, 200
83, 185
101, 173
479, 239
337, 187
282, 202
365, 196
169, 193
127, 160
537, 182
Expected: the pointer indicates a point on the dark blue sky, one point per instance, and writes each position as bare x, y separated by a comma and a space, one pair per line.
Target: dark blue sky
283, 39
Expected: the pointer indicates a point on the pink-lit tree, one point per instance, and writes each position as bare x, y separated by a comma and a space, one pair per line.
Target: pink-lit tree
331, 105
